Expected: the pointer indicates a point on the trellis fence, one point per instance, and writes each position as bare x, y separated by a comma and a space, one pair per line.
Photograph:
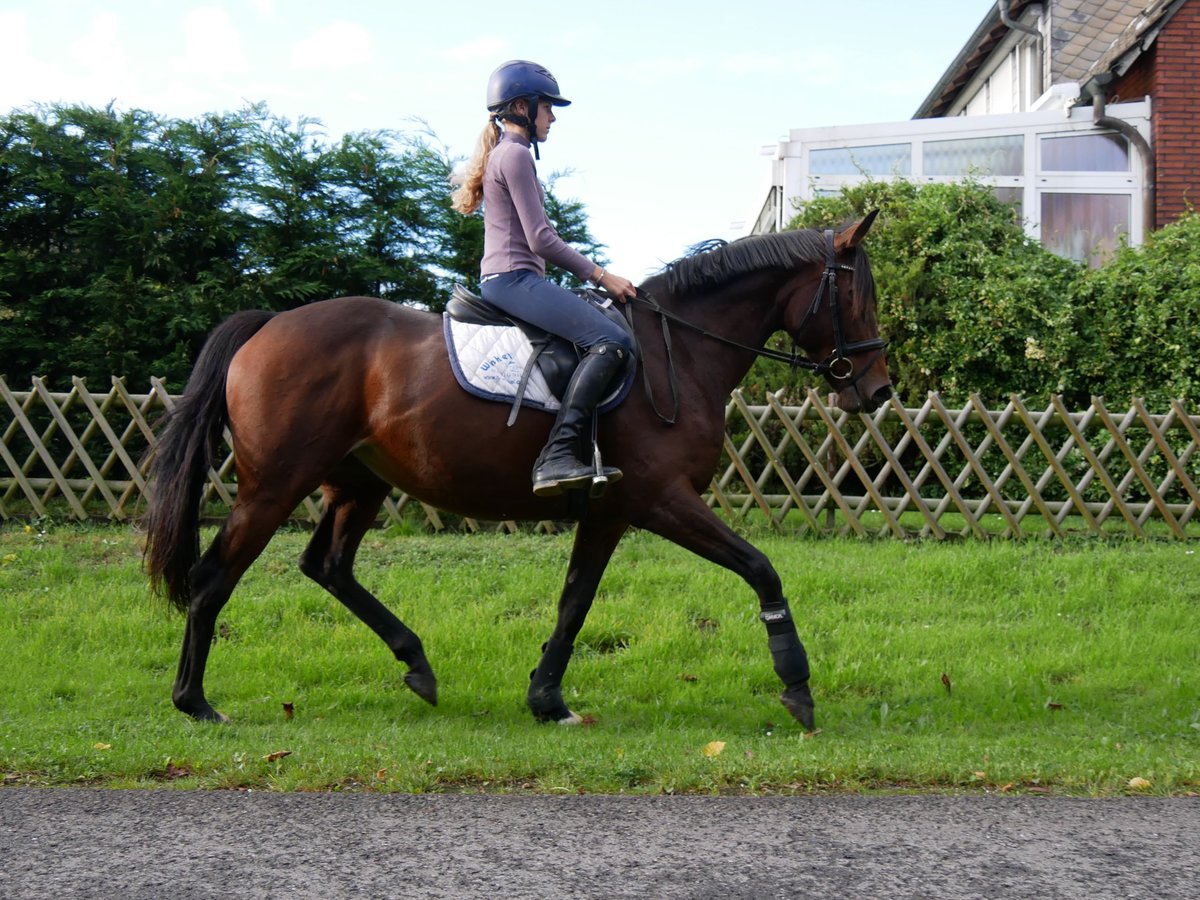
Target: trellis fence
930, 471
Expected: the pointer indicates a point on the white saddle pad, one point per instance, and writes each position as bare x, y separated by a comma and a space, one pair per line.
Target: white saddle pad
488, 361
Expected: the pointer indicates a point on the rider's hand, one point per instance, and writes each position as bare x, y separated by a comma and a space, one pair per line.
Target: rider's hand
621, 288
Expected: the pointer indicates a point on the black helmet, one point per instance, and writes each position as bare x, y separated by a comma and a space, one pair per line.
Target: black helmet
520, 78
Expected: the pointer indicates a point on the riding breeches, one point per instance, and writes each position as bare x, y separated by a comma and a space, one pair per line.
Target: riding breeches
526, 295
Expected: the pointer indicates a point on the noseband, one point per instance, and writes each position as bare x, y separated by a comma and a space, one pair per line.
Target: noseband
838, 365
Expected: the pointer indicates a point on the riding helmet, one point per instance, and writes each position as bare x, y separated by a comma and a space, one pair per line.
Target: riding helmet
520, 78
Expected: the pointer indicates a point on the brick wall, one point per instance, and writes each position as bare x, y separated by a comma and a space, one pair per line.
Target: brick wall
1138, 82
1176, 113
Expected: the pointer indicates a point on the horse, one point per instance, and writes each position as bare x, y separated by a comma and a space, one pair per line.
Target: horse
355, 395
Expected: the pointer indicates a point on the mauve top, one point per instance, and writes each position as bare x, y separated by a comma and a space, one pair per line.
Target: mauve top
516, 232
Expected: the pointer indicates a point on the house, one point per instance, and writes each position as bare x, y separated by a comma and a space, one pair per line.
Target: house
1082, 113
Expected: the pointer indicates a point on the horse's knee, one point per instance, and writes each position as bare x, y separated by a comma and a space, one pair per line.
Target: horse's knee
763, 577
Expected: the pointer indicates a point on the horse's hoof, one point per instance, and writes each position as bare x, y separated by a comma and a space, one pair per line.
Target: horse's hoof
424, 685
799, 702
549, 707
210, 715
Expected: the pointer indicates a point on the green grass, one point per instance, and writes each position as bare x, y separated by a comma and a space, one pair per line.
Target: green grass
1072, 668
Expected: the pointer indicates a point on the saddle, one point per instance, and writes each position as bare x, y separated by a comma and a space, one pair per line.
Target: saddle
498, 357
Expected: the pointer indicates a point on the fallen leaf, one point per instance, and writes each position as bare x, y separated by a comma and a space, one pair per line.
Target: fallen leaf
981, 774
946, 682
1139, 784
713, 748
587, 720
173, 771
278, 754
686, 677
1008, 787
1052, 705
99, 746
288, 711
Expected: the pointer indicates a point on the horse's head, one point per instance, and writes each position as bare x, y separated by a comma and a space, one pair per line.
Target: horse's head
835, 322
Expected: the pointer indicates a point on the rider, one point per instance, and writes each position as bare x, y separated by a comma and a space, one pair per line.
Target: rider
518, 239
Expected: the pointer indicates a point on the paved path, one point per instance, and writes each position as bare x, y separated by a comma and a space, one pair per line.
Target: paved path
177, 844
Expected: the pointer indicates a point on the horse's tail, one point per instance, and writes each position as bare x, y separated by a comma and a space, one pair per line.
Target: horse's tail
185, 451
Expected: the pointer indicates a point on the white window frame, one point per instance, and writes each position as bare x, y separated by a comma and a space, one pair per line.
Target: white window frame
793, 185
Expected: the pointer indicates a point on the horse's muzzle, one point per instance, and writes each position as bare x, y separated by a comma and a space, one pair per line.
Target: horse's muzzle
853, 400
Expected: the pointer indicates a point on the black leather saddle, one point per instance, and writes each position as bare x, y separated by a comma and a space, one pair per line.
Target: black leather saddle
555, 356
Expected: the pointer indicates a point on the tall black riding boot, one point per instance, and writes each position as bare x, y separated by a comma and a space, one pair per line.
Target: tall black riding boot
560, 467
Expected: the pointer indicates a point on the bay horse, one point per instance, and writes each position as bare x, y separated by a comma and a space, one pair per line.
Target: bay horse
356, 395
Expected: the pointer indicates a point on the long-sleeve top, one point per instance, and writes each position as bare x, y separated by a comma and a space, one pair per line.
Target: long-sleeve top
516, 232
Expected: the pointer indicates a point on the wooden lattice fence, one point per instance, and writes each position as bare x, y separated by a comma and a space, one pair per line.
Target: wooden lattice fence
930, 471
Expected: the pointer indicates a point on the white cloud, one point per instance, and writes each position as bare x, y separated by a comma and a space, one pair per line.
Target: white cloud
100, 48
89, 69
336, 46
212, 44
17, 66
488, 48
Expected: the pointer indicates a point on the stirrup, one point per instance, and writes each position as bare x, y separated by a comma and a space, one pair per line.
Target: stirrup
596, 481
603, 475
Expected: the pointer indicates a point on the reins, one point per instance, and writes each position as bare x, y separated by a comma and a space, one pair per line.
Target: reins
839, 357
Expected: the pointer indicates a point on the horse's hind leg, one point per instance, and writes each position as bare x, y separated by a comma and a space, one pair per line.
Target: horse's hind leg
238, 543
353, 496
593, 547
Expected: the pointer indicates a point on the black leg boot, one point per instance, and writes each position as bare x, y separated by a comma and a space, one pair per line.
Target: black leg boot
559, 467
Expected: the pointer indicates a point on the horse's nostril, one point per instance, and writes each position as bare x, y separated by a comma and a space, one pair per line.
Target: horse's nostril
883, 395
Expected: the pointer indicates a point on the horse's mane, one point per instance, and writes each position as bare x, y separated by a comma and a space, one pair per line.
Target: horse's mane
711, 264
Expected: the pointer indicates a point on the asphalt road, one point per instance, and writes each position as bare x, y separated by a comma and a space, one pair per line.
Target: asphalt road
180, 844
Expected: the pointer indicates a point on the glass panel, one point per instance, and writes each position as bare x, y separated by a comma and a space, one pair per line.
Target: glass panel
1004, 155
1084, 227
881, 159
1013, 197
1085, 153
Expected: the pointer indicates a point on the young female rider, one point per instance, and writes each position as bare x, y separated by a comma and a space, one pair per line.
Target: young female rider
518, 239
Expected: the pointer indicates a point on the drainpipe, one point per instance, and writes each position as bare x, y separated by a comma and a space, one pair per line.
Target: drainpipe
1095, 88
1012, 23
1003, 6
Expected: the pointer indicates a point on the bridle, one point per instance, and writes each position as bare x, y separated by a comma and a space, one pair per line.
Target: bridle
838, 365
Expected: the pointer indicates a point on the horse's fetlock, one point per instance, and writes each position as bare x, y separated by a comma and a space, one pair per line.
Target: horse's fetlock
789, 658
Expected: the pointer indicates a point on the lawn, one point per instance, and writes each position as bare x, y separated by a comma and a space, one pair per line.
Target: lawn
1036, 666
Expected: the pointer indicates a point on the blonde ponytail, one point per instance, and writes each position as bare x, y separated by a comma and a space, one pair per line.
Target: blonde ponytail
469, 194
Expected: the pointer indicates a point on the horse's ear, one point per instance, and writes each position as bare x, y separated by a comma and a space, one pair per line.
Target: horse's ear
852, 235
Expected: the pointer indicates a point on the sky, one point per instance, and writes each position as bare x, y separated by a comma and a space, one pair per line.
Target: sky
673, 100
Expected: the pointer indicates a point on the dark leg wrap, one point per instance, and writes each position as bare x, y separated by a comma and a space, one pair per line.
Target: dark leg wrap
791, 663
545, 682
787, 653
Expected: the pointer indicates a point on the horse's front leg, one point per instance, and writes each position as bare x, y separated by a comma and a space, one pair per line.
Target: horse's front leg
684, 519
593, 547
